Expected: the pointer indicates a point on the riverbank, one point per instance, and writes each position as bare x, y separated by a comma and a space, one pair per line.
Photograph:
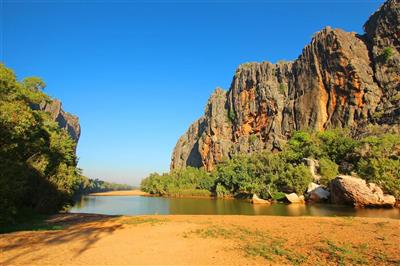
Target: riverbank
82, 239
134, 192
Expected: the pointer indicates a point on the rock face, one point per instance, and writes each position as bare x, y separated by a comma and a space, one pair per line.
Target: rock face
65, 120
339, 80
356, 192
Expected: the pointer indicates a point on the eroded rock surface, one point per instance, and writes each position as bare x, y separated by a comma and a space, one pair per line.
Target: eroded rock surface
339, 80
65, 120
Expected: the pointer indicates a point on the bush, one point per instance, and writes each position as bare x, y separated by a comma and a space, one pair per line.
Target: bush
302, 145
295, 179
380, 161
386, 54
189, 181
328, 170
336, 145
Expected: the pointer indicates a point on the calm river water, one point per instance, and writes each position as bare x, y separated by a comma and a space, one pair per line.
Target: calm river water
137, 205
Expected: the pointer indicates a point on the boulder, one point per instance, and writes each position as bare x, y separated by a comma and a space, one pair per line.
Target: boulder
312, 186
293, 198
257, 200
317, 192
355, 191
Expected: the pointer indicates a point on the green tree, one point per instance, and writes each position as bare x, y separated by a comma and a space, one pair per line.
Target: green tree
33, 83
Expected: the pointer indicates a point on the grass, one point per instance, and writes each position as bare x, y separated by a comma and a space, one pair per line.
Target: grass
254, 243
344, 254
143, 220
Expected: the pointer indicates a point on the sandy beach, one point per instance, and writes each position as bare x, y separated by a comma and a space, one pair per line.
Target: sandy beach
134, 192
84, 239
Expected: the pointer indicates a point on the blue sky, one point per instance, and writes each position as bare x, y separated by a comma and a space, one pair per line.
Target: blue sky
138, 73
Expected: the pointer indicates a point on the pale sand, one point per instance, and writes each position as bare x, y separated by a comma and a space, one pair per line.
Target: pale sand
134, 192
189, 240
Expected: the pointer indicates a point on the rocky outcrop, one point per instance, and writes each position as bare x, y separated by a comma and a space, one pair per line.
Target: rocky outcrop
337, 81
356, 192
65, 120
383, 38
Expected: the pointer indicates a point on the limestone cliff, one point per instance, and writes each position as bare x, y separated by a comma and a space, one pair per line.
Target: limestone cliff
65, 120
341, 79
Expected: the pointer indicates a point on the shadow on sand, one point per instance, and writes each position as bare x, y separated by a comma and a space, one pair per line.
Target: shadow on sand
88, 229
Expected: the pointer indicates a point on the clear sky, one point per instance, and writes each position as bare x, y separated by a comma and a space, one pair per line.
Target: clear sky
138, 73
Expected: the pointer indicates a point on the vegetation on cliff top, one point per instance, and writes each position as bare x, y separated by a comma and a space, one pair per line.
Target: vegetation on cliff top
375, 158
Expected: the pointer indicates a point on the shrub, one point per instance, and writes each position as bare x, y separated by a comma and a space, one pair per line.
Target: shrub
328, 170
221, 191
336, 144
380, 161
295, 179
386, 54
232, 115
282, 88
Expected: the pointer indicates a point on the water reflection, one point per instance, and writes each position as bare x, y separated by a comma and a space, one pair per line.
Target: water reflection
136, 205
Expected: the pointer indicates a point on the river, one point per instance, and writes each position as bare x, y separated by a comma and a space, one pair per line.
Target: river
138, 205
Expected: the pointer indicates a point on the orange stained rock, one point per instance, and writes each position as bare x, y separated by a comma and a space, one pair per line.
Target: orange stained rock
243, 97
246, 129
333, 99
358, 96
343, 100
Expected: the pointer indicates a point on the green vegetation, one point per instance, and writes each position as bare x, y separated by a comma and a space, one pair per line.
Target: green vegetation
232, 115
88, 186
187, 182
38, 172
328, 170
375, 157
251, 242
282, 88
380, 161
143, 220
253, 139
346, 254
386, 54
37, 159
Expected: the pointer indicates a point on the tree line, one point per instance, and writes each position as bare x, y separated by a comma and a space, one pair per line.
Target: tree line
374, 156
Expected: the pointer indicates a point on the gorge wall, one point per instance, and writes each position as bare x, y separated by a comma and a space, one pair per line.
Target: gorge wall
341, 79
65, 120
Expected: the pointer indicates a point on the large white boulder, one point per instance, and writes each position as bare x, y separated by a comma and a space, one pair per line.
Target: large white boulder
355, 191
